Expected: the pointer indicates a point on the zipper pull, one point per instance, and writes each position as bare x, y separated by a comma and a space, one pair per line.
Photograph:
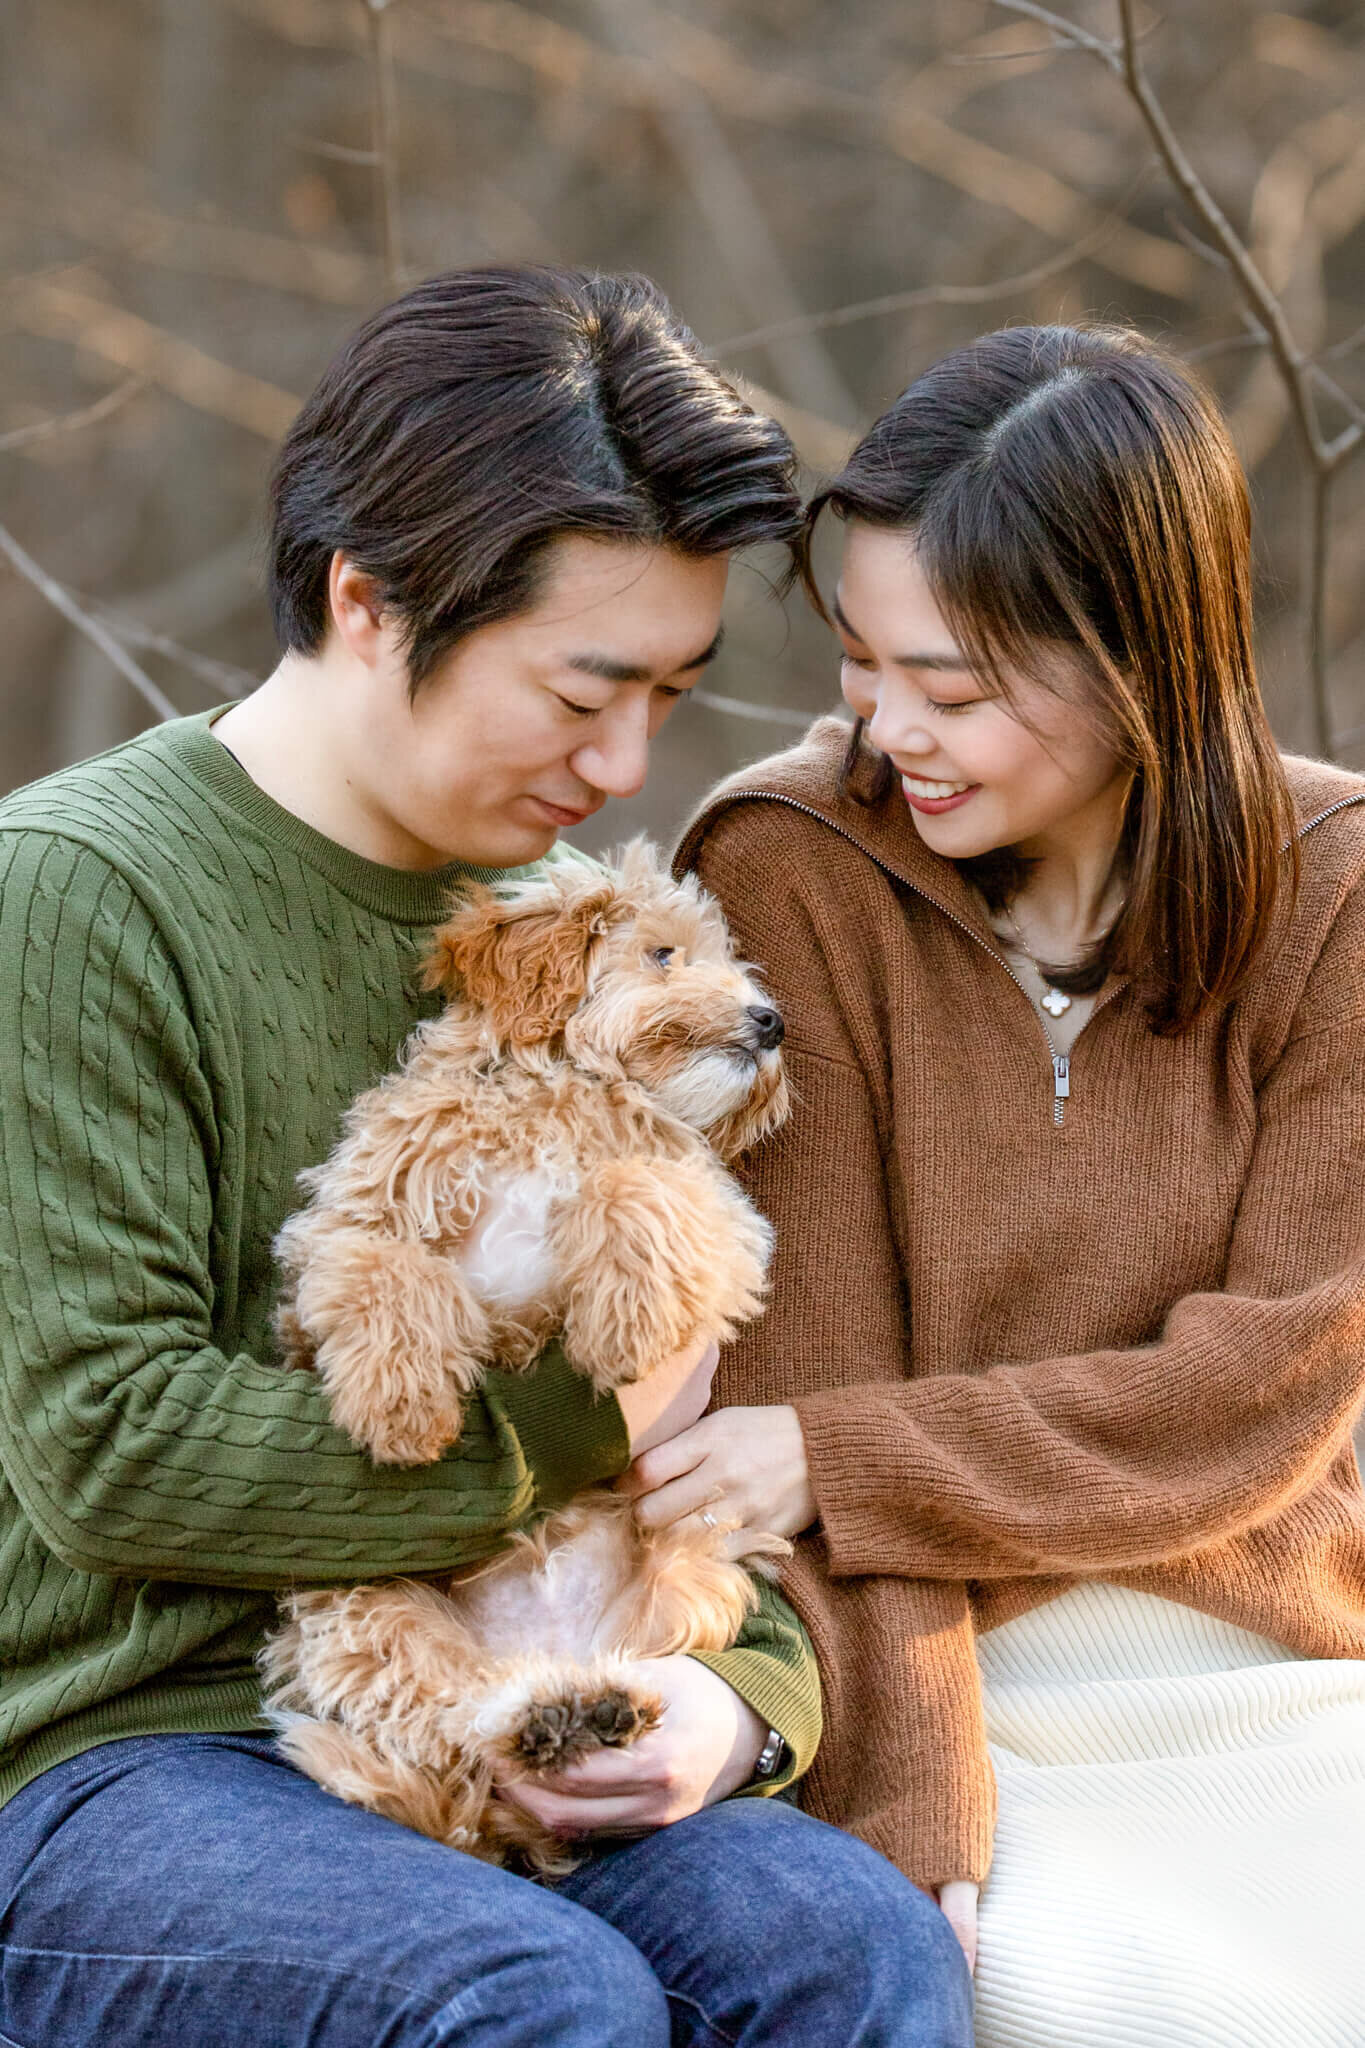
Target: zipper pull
1061, 1076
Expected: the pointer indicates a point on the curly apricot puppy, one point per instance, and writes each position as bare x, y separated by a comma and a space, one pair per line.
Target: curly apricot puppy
547, 1160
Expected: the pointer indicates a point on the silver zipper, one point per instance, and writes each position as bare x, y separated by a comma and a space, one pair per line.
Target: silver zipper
1342, 803
1061, 1062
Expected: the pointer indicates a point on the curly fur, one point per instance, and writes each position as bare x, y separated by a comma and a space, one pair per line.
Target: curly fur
547, 1158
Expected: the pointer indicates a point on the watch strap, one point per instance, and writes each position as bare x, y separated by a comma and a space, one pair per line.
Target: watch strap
771, 1758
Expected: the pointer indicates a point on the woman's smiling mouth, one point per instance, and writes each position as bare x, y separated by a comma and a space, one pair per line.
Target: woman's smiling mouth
923, 795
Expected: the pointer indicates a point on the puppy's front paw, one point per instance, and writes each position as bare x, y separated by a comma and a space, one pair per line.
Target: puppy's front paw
401, 1416
399, 1339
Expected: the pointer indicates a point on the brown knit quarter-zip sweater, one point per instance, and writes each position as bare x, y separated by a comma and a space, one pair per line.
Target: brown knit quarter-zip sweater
1036, 1337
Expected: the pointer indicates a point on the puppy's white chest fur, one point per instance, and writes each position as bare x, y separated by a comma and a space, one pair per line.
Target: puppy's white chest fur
506, 1255
563, 1605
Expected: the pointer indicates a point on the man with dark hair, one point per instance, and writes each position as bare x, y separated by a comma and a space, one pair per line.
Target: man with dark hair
501, 530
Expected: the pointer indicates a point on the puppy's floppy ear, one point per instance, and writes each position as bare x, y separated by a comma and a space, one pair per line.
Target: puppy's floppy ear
523, 959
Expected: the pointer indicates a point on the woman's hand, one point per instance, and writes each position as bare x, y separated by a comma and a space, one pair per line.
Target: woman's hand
742, 1465
704, 1748
958, 1901
670, 1398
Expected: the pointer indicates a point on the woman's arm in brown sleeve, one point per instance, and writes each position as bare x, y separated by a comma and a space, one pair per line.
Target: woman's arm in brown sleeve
1101, 1461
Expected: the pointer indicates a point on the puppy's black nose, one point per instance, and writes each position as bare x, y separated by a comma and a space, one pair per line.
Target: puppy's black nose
769, 1026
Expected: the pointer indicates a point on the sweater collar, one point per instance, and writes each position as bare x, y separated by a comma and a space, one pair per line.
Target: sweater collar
808, 776
400, 895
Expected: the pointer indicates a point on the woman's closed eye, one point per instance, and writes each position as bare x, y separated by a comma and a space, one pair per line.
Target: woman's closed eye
947, 706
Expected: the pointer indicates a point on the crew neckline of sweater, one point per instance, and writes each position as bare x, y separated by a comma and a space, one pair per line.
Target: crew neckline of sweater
415, 896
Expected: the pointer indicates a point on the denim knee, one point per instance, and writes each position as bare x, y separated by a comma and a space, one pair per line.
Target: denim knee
571, 1979
767, 1926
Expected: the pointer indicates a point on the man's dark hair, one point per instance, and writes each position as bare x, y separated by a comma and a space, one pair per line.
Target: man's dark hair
485, 414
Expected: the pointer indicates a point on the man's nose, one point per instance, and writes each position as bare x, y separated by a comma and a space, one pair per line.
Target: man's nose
617, 761
768, 1025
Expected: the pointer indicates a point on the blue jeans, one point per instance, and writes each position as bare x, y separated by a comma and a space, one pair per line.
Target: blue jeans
194, 1891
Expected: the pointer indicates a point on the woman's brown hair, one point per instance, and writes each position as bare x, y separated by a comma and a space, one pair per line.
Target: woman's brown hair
1077, 486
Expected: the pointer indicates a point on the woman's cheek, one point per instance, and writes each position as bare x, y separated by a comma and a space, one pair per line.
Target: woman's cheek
858, 691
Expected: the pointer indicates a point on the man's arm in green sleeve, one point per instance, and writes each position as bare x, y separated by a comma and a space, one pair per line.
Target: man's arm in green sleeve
772, 1667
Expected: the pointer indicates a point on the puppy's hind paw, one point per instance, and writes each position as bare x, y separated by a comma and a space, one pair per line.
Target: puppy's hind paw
555, 1732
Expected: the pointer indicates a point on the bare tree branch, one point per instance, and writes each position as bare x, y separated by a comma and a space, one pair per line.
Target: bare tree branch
1295, 368
1316, 540
1067, 41
1231, 344
927, 295
62, 601
336, 152
222, 675
1298, 371
69, 423
963, 58
1195, 243
60, 312
1067, 34
1202, 203
1350, 406
1346, 347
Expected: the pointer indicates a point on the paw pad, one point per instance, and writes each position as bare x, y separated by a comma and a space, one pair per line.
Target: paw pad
554, 1732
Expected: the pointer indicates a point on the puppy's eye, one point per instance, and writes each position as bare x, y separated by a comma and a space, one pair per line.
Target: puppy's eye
663, 954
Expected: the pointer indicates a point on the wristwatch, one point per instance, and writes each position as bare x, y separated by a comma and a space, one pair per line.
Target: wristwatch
772, 1758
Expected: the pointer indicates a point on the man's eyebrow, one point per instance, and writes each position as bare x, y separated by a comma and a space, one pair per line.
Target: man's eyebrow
943, 664
610, 670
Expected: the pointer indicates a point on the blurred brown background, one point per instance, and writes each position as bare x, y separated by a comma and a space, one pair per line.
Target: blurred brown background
191, 218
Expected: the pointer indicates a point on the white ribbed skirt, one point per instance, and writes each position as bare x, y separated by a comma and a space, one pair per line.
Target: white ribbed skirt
1180, 1861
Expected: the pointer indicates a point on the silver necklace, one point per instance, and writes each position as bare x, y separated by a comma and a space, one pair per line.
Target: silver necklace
1056, 1002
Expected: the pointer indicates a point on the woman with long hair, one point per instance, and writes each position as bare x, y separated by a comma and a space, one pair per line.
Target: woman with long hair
1067, 1335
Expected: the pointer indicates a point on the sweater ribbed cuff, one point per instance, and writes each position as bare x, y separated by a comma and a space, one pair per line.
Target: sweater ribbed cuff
780, 1696
570, 1436
227, 1706
841, 1443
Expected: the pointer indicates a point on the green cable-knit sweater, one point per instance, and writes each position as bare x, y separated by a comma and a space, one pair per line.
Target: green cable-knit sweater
193, 986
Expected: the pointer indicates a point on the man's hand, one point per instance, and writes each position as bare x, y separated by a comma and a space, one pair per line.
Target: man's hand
670, 1398
742, 1465
704, 1748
